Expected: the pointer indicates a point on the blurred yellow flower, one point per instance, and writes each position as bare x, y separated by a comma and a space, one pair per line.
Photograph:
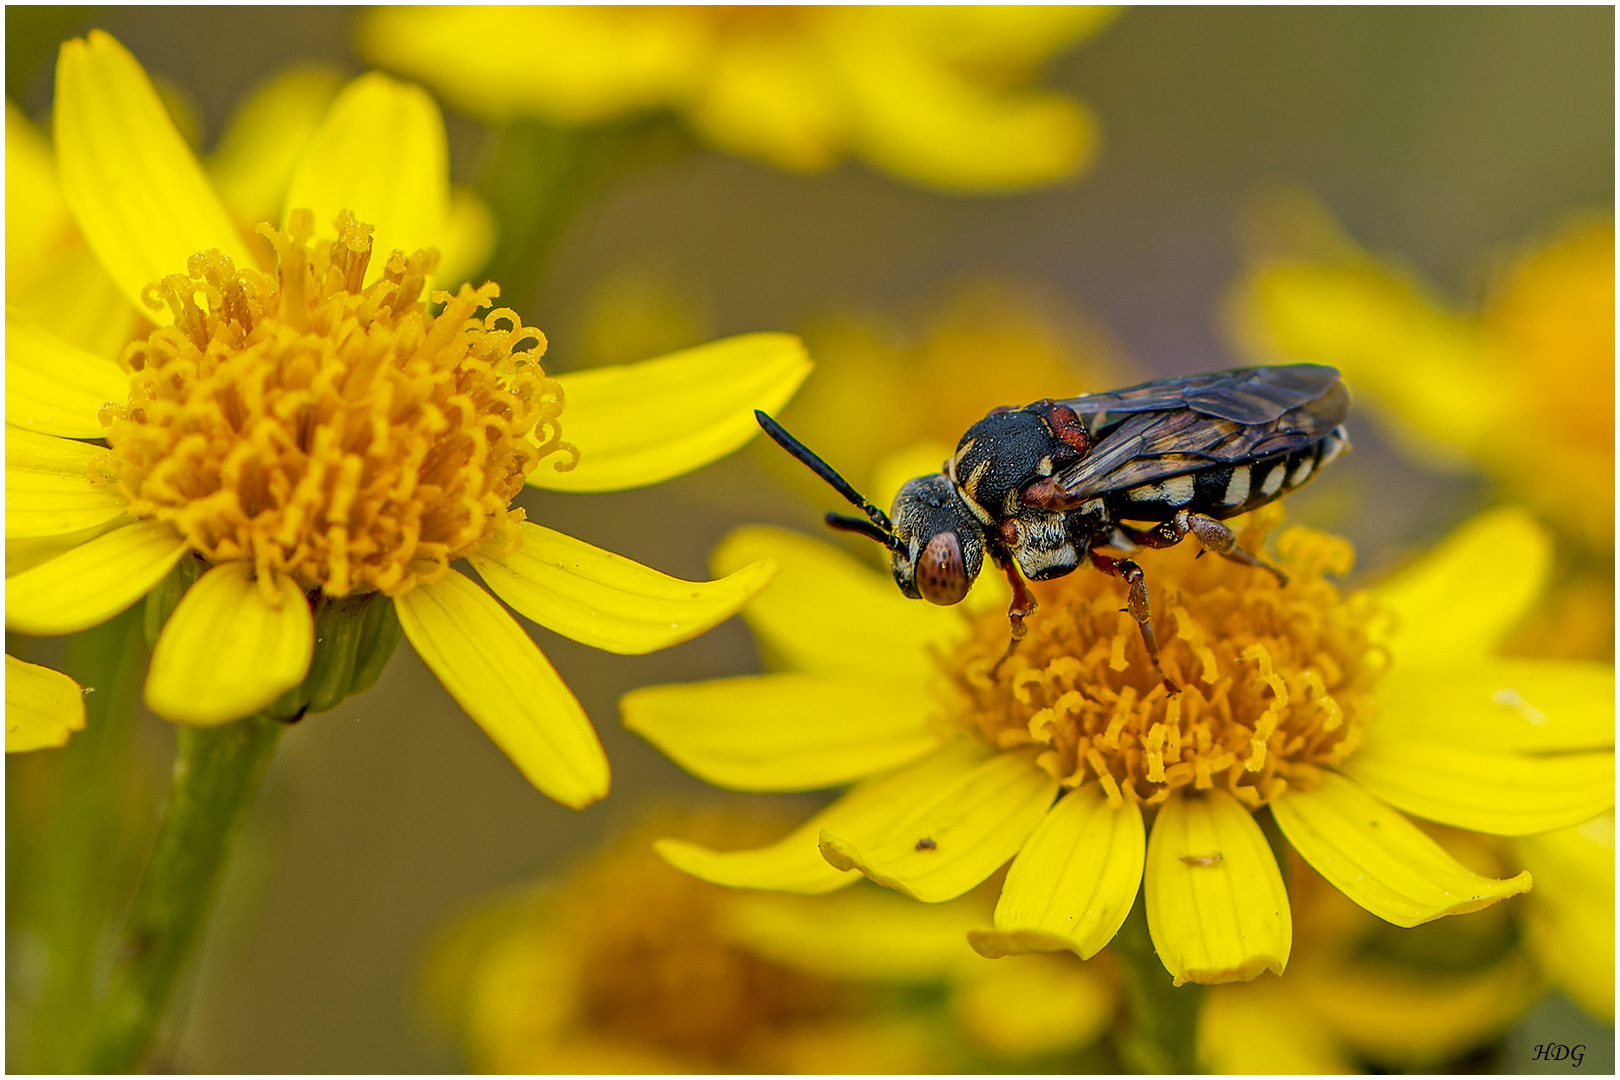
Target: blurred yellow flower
1360, 992
1523, 386
320, 448
939, 96
627, 965
1295, 699
887, 381
1569, 922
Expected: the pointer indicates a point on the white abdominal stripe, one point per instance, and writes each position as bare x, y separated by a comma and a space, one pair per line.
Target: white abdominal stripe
1228, 490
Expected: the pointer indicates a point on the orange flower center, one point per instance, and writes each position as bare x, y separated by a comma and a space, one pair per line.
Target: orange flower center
333, 431
1276, 681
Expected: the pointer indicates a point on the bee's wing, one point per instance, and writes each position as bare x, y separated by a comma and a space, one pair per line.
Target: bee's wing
1255, 395
1149, 446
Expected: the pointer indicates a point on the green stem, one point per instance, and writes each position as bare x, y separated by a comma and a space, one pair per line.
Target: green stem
216, 773
1162, 1035
71, 828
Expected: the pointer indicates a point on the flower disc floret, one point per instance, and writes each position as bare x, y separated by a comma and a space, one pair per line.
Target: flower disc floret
333, 431
1276, 682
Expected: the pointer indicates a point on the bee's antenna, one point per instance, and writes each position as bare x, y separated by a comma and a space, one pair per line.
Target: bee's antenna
878, 528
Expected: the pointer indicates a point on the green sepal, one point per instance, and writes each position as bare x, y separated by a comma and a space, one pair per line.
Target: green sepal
379, 637
339, 625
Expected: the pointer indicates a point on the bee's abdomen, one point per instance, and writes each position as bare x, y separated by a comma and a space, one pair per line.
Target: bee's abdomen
1224, 491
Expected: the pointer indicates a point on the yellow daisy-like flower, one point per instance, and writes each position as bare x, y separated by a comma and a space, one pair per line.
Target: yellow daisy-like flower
1524, 385
315, 446
627, 965
1295, 700
939, 96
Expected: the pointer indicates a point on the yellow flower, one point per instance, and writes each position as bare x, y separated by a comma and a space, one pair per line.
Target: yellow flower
939, 96
1287, 705
626, 965
1524, 385
1569, 922
314, 437
1359, 991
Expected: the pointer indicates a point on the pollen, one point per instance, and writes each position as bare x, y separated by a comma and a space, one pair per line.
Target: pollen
1276, 681
337, 432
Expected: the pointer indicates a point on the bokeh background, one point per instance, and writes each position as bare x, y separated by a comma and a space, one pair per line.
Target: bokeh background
1444, 135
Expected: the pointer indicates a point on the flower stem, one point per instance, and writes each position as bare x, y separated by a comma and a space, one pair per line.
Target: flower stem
71, 828
1162, 1032
216, 773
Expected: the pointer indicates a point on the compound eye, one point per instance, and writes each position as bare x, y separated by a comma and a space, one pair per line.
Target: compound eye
941, 578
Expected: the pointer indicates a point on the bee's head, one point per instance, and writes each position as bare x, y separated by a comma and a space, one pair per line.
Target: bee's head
936, 545
940, 543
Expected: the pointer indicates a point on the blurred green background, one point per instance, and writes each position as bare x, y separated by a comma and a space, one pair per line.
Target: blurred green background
1443, 134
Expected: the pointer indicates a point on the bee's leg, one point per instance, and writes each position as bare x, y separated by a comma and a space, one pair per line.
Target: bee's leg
1023, 604
1137, 594
1160, 536
1216, 537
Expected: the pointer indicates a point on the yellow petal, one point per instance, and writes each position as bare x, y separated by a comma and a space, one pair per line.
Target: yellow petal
1503, 704
578, 65
1260, 1028
28, 552
226, 653
56, 388
991, 35
1443, 615
38, 226
1025, 1006
1570, 916
945, 823
503, 680
48, 488
139, 196
467, 238
92, 582
828, 615
784, 732
795, 863
864, 934
1402, 351
1505, 794
81, 304
774, 97
640, 424
266, 139
1380, 860
381, 154
31, 451
1216, 906
1419, 1020
608, 601
924, 122
43, 707
1074, 880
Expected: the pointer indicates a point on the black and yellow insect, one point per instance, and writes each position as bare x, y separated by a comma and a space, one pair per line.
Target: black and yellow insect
1049, 486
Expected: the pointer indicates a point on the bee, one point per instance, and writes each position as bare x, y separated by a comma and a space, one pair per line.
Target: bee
1097, 478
